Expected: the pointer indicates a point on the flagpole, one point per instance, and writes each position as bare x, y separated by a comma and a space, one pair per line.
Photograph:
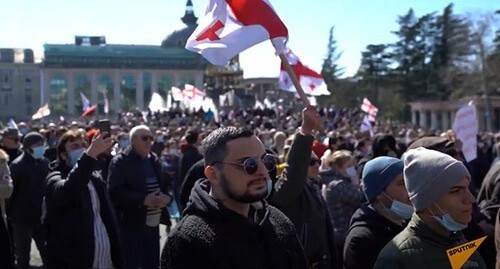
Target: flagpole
295, 81
299, 89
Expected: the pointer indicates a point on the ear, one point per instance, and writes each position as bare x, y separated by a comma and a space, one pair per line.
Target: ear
211, 172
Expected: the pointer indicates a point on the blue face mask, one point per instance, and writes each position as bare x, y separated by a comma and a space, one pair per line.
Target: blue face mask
123, 143
449, 223
401, 209
75, 156
52, 141
38, 152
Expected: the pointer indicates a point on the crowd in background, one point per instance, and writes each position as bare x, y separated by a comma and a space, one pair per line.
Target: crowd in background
42, 163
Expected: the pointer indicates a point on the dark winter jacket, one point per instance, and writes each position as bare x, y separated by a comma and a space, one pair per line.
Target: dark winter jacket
368, 233
417, 246
196, 172
28, 177
70, 216
128, 188
6, 257
300, 199
190, 155
213, 236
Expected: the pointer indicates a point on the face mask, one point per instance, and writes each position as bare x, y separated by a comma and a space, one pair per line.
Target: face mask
38, 152
449, 223
268, 143
401, 209
159, 139
123, 143
75, 155
173, 151
23, 131
351, 171
51, 142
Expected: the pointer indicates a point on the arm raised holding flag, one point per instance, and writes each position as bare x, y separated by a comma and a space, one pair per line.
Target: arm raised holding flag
231, 26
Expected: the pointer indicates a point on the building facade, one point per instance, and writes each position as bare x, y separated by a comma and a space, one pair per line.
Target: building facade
19, 83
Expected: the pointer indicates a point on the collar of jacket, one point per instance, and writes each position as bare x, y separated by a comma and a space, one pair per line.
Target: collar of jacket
130, 152
201, 203
420, 228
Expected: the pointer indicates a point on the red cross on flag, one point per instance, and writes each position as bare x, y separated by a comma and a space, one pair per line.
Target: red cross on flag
177, 94
44, 111
311, 81
232, 26
192, 92
367, 107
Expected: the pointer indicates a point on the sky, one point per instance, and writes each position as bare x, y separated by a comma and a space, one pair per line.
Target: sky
32, 23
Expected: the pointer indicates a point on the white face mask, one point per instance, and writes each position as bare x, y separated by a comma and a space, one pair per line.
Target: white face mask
351, 171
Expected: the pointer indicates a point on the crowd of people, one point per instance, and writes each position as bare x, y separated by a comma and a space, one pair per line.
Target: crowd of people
249, 188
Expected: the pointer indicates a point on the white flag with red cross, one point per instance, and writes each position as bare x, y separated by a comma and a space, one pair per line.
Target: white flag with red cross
369, 108
43, 111
311, 81
232, 26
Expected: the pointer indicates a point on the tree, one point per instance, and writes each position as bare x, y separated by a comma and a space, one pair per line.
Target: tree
412, 53
375, 61
451, 51
331, 70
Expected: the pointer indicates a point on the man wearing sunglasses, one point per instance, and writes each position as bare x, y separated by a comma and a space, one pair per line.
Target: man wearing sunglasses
138, 191
9, 142
297, 194
227, 223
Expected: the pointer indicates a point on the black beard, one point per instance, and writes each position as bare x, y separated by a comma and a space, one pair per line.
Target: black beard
245, 198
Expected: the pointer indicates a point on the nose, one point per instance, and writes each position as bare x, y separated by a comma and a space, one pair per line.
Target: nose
262, 170
469, 198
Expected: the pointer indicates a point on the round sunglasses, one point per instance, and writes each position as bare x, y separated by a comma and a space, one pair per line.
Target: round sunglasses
251, 164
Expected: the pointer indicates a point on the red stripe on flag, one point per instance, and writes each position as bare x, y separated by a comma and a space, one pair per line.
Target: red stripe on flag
251, 12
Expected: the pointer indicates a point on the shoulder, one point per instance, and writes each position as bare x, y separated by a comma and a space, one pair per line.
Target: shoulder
193, 229
280, 221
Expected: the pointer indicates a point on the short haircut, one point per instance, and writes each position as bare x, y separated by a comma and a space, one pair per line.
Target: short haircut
137, 128
215, 144
69, 136
192, 136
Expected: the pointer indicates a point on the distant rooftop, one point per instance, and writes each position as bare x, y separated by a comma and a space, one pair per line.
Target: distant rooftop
120, 56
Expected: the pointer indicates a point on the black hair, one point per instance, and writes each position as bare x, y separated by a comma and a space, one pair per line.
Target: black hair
192, 136
215, 144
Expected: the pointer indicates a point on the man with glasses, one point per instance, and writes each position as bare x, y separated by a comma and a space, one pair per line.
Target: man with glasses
297, 194
9, 142
227, 223
138, 191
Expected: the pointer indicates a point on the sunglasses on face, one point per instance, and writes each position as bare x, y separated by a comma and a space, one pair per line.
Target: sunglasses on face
314, 161
251, 164
146, 138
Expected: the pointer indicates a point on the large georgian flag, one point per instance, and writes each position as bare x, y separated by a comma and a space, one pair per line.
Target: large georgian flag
311, 81
42, 112
232, 26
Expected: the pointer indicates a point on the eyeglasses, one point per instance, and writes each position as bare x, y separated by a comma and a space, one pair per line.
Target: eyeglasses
147, 138
251, 164
314, 161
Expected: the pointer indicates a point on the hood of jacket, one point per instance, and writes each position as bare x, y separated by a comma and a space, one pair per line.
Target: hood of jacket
202, 204
368, 217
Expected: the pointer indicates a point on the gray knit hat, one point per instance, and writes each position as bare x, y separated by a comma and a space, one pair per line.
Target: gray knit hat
430, 174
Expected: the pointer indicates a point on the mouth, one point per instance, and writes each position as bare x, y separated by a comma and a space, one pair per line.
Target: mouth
258, 183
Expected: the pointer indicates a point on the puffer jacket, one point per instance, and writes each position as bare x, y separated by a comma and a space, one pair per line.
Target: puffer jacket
417, 246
